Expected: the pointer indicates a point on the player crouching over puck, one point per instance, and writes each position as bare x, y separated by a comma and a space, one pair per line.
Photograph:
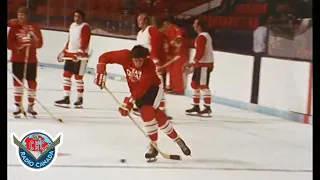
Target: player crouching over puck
146, 92
75, 55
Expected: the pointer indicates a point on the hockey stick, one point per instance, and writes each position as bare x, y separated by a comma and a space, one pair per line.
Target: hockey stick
72, 59
78, 58
171, 61
15, 77
166, 156
25, 66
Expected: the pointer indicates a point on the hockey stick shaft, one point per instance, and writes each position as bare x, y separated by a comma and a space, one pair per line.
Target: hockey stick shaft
165, 155
23, 86
25, 67
78, 58
171, 61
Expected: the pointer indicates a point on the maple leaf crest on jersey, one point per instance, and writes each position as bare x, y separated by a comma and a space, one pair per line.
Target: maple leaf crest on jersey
133, 74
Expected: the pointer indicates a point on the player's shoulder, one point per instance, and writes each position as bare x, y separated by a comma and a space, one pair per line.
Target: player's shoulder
149, 64
73, 24
13, 23
124, 51
205, 35
85, 24
34, 25
151, 27
121, 54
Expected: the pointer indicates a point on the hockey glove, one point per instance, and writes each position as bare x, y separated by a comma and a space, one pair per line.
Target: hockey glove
188, 68
24, 42
126, 107
61, 55
100, 77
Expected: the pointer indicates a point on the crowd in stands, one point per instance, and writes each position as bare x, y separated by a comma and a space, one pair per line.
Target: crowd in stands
240, 19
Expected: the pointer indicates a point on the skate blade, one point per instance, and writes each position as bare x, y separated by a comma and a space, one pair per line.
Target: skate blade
78, 106
191, 114
151, 160
205, 115
17, 116
33, 116
63, 106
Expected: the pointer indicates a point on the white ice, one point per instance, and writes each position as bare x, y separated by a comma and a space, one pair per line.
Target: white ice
234, 144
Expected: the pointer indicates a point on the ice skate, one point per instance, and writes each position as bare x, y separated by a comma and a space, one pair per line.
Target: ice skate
65, 102
206, 112
31, 110
17, 113
193, 111
184, 148
152, 154
78, 103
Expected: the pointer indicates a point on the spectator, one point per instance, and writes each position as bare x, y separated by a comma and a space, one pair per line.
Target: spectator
260, 36
259, 49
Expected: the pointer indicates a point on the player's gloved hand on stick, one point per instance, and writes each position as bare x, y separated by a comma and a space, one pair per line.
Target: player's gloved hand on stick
126, 106
79, 54
25, 41
188, 68
61, 55
100, 77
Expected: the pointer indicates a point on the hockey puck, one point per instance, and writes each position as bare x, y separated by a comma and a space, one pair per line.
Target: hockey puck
123, 160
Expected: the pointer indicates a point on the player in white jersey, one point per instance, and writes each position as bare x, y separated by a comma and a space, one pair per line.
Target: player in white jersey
201, 66
150, 37
75, 54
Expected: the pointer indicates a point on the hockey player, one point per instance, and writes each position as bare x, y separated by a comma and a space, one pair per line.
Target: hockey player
202, 66
150, 38
179, 52
146, 92
77, 47
24, 38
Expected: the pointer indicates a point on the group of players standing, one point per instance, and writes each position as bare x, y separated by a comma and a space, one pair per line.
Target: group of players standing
161, 48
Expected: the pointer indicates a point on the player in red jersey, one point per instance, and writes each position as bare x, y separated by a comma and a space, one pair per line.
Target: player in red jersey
202, 66
24, 38
146, 92
76, 47
179, 53
150, 38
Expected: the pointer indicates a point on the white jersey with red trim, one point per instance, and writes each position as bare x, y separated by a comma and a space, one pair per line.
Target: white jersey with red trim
75, 42
204, 52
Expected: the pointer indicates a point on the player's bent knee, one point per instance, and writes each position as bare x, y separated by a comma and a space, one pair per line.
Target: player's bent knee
78, 77
194, 85
147, 113
32, 84
67, 74
16, 83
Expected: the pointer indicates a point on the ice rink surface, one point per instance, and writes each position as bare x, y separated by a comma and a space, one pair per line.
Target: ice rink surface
234, 144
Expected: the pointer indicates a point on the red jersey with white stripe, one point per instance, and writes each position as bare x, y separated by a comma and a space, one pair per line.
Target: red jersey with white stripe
14, 41
139, 79
79, 38
204, 50
173, 32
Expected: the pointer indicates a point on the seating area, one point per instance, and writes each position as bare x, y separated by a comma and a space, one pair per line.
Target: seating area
243, 16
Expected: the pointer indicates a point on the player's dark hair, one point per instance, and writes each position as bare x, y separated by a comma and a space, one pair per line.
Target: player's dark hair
263, 20
202, 23
147, 18
139, 51
161, 20
79, 11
